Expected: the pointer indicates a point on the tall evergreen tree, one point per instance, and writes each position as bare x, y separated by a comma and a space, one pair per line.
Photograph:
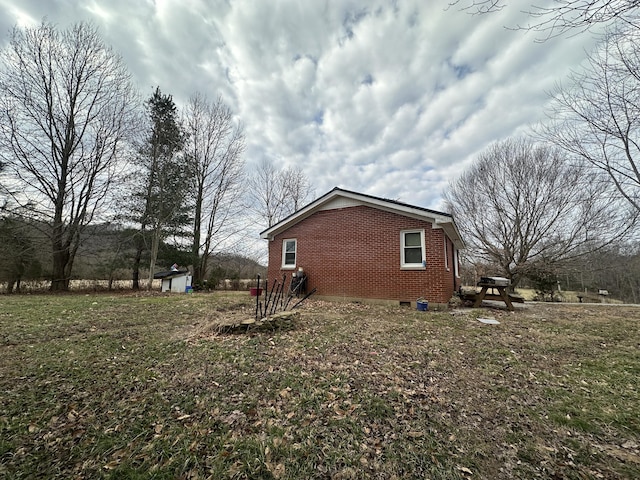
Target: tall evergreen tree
160, 206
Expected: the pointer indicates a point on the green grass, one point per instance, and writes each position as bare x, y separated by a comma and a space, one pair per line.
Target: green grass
126, 386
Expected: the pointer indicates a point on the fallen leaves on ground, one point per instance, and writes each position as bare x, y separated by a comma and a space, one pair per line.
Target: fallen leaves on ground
351, 391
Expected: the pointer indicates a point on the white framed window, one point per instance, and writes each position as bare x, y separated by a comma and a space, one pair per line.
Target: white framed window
289, 250
412, 251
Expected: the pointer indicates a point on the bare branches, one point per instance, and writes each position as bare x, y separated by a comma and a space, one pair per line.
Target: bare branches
580, 15
296, 190
214, 152
522, 204
66, 106
596, 114
562, 16
276, 193
478, 7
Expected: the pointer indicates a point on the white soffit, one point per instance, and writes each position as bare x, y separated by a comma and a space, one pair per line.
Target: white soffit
341, 202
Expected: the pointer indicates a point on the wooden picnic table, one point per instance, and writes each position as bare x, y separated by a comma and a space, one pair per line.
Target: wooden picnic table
497, 283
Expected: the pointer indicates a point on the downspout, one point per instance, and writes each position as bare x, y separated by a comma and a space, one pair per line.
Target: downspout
453, 270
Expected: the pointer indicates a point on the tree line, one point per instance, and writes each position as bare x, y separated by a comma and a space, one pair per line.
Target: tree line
79, 148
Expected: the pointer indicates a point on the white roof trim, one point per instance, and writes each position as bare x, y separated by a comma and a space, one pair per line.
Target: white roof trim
439, 220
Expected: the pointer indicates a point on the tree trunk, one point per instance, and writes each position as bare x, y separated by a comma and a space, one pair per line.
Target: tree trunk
195, 248
633, 291
59, 279
203, 266
61, 253
136, 274
155, 245
136, 265
514, 280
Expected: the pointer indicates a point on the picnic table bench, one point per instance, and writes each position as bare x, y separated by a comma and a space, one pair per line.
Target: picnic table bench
500, 284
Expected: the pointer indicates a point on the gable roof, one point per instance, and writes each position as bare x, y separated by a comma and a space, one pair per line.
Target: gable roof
340, 198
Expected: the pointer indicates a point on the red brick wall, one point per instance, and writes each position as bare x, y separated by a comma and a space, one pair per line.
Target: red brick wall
355, 252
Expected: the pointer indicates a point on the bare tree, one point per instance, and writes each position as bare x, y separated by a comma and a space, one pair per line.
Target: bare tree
562, 15
66, 106
596, 115
276, 193
296, 190
265, 191
521, 206
214, 151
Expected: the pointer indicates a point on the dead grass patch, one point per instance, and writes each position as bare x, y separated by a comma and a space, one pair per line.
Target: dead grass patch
105, 386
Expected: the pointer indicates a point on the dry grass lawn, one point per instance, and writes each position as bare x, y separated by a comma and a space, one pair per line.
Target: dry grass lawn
127, 386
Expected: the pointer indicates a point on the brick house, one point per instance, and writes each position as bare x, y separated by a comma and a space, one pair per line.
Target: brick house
354, 246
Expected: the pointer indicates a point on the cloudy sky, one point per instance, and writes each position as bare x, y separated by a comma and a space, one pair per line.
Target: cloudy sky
391, 98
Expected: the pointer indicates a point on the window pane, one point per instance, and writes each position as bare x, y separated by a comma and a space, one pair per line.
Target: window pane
289, 252
412, 239
413, 255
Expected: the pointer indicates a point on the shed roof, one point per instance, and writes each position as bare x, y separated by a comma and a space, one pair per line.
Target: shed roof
170, 274
339, 198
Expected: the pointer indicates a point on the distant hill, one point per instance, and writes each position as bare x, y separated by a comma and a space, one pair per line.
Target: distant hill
229, 265
109, 250
106, 253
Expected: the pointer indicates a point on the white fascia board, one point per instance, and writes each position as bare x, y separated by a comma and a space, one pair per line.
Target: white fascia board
291, 220
452, 232
437, 220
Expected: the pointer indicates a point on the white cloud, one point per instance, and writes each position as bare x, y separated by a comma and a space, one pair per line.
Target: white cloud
387, 98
